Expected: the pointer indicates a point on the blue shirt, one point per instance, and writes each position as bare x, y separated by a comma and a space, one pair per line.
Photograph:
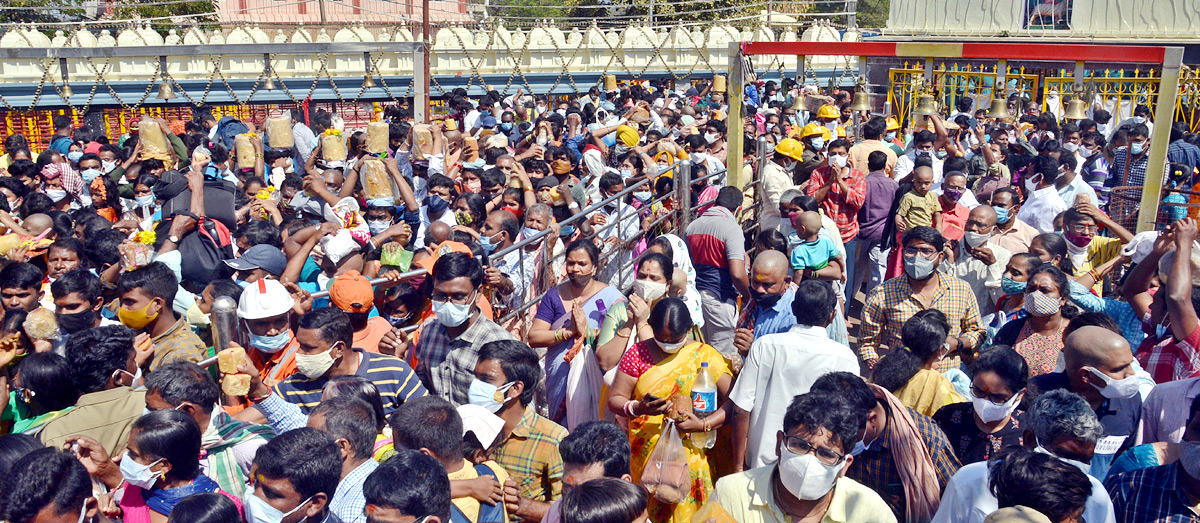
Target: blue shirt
776, 319
348, 502
815, 254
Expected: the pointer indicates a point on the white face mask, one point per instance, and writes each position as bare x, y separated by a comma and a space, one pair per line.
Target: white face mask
838, 160
671, 348
451, 314
710, 137
314, 365
1031, 185
107, 166
990, 412
649, 290
1114, 388
1083, 467
56, 195
259, 511
975, 239
804, 476
1071, 146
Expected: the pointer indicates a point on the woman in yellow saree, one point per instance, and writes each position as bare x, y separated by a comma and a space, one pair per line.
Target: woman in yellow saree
654, 378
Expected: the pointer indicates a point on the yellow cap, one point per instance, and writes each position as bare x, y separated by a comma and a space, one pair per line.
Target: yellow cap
627, 135
841, 132
892, 124
828, 111
811, 129
791, 148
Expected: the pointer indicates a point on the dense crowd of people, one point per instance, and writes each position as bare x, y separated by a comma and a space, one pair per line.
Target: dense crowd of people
520, 312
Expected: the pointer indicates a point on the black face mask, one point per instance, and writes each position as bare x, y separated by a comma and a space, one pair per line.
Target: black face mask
765, 301
77, 321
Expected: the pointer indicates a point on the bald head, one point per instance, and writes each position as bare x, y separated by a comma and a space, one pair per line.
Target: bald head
984, 214
439, 232
35, 224
771, 263
1092, 346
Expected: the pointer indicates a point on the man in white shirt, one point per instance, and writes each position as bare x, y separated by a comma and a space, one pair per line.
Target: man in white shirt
776, 179
979, 261
1060, 423
922, 145
781, 366
1070, 184
1043, 203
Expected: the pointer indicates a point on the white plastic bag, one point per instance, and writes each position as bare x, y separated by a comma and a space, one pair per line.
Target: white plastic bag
584, 381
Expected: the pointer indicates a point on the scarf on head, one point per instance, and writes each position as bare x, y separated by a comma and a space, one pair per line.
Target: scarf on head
922, 492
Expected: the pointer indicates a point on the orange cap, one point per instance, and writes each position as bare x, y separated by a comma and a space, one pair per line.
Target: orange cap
446, 247
352, 292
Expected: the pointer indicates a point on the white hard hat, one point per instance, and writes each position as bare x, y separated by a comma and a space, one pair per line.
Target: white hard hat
264, 299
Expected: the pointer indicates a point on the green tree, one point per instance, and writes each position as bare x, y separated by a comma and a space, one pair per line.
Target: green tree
872, 13
200, 12
41, 11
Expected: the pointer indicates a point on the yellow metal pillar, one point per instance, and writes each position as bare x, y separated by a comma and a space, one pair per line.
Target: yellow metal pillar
1164, 117
733, 128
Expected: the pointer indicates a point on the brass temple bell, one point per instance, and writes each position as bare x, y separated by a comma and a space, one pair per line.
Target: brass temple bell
862, 101
925, 106
999, 108
1076, 109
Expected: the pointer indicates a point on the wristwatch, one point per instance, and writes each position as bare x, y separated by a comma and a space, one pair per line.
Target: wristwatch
173, 239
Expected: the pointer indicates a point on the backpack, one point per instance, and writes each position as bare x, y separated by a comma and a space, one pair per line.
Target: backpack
487, 513
202, 252
227, 128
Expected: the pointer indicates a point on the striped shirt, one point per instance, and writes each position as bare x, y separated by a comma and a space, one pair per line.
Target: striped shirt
714, 239
393, 377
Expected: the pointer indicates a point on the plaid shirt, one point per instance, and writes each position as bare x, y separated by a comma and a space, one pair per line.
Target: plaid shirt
349, 503
892, 303
179, 343
530, 455
446, 365
876, 468
1169, 359
1149, 495
843, 208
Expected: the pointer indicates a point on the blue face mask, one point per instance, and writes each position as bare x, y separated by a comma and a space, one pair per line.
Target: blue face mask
487, 244
1136, 148
484, 395
818, 143
435, 204
1001, 215
270, 344
144, 201
1012, 287
566, 231
90, 174
242, 283
642, 196
74, 156
529, 232
506, 127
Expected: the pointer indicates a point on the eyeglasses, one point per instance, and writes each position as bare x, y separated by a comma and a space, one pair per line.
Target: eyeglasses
1084, 229
998, 399
797, 445
914, 251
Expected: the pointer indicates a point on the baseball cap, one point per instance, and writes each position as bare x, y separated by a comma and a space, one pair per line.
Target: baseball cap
260, 256
352, 292
482, 422
446, 247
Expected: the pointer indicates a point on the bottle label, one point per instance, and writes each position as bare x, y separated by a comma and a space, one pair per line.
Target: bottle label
704, 401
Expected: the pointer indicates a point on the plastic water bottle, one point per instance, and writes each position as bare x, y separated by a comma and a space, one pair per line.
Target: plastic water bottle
704, 403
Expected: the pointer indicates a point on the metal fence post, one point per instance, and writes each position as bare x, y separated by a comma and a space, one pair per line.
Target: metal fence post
683, 195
